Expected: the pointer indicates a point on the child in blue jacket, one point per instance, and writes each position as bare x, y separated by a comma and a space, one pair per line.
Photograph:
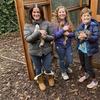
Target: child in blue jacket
87, 36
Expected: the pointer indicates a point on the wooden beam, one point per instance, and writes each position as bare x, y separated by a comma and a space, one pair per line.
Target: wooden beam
21, 20
47, 11
93, 8
41, 3
81, 3
73, 8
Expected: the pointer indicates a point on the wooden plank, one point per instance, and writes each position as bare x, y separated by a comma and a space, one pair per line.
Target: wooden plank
81, 3
36, 1
73, 8
47, 11
98, 18
27, 5
93, 8
21, 20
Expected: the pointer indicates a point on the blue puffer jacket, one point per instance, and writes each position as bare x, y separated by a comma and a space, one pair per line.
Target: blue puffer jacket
92, 40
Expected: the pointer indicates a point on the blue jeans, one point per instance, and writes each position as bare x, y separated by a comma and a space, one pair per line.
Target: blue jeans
65, 57
42, 63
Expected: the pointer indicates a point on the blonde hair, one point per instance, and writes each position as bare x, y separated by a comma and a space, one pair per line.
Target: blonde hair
85, 10
55, 16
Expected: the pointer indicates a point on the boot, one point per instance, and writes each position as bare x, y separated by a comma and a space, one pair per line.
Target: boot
51, 80
40, 81
50, 77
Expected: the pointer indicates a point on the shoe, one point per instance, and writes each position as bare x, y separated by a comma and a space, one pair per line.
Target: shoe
40, 81
65, 76
92, 84
69, 70
82, 79
50, 77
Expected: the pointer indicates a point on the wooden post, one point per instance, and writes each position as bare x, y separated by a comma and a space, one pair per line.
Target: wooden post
81, 3
21, 20
93, 8
48, 11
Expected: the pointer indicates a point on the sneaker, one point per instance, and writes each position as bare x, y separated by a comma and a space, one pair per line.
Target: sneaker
69, 70
92, 84
82, 79
65, 76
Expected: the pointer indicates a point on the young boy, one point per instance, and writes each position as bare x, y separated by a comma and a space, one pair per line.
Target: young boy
87, 36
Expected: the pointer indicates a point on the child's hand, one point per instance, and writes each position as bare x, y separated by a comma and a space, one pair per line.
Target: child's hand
82, 36
66, 33
66, 27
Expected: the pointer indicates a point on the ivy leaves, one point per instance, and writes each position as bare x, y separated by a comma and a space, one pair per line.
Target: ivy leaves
8, 18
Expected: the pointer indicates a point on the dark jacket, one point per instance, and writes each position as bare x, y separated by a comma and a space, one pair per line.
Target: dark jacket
92, 40
33, 38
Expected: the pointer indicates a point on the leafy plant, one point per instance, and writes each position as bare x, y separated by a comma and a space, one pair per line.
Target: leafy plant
8, 18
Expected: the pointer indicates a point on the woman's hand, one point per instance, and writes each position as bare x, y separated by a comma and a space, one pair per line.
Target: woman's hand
43, 33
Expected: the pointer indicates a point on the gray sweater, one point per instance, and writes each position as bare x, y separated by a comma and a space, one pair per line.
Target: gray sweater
33, 38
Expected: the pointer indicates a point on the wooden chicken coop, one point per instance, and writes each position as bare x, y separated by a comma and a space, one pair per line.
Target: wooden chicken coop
21, 9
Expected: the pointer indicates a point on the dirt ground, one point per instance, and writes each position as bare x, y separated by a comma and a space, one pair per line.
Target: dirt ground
15, 83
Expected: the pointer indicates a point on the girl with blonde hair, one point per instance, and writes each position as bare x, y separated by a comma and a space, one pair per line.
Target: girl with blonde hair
63, 36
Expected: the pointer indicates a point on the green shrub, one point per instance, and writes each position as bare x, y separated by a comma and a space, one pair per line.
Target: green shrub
8, 18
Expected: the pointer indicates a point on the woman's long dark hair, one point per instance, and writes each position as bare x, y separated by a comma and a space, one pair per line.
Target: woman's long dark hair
41, 12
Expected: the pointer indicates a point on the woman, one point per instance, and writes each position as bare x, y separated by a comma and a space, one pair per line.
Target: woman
41, 55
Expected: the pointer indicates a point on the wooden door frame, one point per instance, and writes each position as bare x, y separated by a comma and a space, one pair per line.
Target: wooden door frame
21, 20
94, 5
19, 4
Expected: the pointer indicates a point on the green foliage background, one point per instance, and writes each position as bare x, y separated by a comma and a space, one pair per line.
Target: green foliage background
8, 18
